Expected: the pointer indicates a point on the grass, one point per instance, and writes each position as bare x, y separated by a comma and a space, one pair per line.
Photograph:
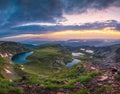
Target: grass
71, 72
94, 73
6, 86
2, 63
107, 86
16, 90
84, 78
49, 55
3, 91
83, 91
117, 78
66, 79
47, 61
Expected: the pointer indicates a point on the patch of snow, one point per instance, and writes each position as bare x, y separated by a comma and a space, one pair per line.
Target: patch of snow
82, 49
22, 68
77, 54
5, 55
10, 80
7, 71
10, 55
1, 55
89, 51
21, 65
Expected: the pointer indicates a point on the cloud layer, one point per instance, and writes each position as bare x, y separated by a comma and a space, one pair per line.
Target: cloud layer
38, 29
20, 11
15, 14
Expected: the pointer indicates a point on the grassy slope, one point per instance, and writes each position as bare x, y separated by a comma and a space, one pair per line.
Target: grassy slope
66, 79
2, 64
47, 60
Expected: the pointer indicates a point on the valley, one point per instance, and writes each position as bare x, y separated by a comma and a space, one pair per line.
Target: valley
55, 69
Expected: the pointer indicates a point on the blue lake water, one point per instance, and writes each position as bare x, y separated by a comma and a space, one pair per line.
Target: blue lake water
22, 57
75, 61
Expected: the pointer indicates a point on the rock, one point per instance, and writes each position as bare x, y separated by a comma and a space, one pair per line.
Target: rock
103, 78
7, 71
100, 84
78, 85
93, 68
110, 82
59, 82
78, 68
114, 70
59, 92
24, 78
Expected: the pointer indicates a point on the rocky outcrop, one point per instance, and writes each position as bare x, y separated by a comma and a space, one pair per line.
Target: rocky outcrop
8, 49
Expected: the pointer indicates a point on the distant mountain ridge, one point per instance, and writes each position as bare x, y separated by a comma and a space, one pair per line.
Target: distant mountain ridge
97, 43
79, 42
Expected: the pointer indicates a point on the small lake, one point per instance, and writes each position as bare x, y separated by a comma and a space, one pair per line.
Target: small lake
22, 57
75, 61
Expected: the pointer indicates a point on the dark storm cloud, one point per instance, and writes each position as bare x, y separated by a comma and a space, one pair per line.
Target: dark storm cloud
7, 8
37, 10
21, 11
13, 12
79, 6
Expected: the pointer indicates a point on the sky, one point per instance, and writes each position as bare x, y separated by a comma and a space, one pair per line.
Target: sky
43, 20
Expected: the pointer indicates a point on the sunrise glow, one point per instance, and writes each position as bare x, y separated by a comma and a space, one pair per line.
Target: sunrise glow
70, 34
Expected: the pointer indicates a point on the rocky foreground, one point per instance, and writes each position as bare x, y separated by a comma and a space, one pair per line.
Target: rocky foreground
107, 82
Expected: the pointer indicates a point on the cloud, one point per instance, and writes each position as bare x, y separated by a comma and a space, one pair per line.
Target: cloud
7, 8
21, 11
67, 35
80, 6
39, 28
44, 16
37, 10
59, 27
